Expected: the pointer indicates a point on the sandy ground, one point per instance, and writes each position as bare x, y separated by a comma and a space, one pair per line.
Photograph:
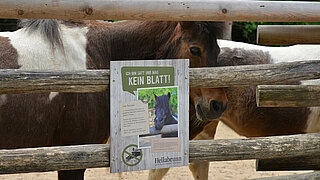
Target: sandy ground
218, 170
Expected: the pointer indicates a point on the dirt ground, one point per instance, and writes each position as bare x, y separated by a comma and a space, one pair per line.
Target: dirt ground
218, 170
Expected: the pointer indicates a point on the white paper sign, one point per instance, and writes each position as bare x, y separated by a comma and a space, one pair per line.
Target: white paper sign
134, 118
149, 122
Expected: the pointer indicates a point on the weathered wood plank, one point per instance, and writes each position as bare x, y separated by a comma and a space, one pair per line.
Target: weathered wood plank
288, 95
254, 74
82, 156
13, 81
289, 164
53, 158
18, 81
306, 176
204, 10
254, 148
288, 34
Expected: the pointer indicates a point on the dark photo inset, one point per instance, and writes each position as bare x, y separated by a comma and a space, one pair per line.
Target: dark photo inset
162, 113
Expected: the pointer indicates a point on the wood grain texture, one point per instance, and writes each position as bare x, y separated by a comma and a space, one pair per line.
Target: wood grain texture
289, 164
13, 81
97, 155
306, 176
288, 95
288, 34
254, 74
18, 81
200, 10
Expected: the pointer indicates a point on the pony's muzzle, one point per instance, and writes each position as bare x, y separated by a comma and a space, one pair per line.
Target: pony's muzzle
214, 111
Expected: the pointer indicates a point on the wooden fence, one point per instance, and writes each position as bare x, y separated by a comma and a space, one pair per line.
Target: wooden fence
20, 81
288, 34
86, 156
97, 155
177, 10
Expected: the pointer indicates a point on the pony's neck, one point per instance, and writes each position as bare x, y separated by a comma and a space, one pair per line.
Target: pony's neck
247, 119
240, 111
128, 39
278, 54
170, 119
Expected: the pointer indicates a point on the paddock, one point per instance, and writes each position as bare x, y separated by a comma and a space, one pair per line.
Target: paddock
91, 156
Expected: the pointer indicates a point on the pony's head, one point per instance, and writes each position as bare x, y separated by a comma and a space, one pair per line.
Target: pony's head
199, 44
162, 110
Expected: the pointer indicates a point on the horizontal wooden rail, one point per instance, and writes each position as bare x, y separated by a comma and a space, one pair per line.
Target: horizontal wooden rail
288, 95
288, 34
19, 81
298, 163
305, 176
178, 10
97, 155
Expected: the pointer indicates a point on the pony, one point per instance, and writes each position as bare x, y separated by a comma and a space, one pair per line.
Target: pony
257, 122
242, 114
163, 113
51, 119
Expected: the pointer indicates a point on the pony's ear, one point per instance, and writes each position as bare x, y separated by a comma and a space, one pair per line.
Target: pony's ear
169, 95
155, 96
186, 24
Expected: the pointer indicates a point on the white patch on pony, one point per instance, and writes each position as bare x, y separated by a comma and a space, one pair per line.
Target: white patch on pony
35, 52
53, 95
3, 99
279, 54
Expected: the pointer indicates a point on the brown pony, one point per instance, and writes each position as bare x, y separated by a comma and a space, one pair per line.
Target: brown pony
49, 119
243, 115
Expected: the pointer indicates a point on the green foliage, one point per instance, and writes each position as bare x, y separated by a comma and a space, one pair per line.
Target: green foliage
173, 103
8, 24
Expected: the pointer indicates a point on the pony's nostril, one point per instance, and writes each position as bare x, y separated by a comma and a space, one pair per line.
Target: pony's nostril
199, 110
216, 106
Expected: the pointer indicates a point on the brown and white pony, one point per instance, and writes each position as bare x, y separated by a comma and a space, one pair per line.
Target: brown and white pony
49, 119
242, 114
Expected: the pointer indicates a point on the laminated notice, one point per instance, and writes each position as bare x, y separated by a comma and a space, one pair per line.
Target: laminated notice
134, 118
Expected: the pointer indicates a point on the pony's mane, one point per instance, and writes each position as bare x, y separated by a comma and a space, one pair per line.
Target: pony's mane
48, 28
162, 101
211, 28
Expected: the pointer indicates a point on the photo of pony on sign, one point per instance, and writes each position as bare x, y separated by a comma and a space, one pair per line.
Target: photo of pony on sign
149, 127
162, 113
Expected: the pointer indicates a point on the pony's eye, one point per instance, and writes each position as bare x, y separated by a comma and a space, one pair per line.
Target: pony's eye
195, 51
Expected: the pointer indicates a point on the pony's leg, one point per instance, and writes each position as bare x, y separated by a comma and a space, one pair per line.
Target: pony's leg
157, 174
200, 170
71, 174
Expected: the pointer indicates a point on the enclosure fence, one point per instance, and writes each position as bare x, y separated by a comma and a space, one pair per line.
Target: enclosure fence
97, 155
